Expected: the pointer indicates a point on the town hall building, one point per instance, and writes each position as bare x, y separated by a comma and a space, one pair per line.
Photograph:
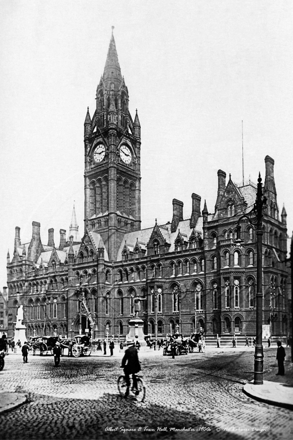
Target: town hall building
191, 273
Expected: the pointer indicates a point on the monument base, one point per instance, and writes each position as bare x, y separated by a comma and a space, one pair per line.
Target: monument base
19, 335
136, 331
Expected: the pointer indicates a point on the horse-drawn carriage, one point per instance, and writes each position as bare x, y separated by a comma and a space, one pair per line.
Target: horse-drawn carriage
43, 344
181, 346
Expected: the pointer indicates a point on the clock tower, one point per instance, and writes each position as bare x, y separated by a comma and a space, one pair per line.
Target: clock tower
112, 179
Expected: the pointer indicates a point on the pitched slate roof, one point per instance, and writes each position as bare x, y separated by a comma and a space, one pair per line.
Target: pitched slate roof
143, 236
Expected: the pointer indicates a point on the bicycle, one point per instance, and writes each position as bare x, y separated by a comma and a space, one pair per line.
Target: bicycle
139, 392
2, 362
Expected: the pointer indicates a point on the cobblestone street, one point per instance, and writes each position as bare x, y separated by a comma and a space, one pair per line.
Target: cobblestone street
193, 396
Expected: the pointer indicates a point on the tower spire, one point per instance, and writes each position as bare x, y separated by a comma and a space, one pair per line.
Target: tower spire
73, 228
112, 71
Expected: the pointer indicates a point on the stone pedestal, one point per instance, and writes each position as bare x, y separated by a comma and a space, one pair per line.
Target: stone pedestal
20, 328
136, 331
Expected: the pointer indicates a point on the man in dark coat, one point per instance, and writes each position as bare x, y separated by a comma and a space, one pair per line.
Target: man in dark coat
24, 350
57, 353
280, 358
131, 365
111, 346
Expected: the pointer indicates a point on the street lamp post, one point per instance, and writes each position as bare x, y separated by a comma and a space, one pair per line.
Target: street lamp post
156, 316
258, 356
258, 209
291, 264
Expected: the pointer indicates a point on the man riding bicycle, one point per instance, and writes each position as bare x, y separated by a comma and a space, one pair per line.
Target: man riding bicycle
131, 365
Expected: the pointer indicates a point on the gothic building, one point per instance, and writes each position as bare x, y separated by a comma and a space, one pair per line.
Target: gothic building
188, 273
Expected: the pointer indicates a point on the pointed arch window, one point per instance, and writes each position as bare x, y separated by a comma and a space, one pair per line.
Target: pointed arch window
251, 292
227, 259
236, 258
107, 304
160, 300
160, 326
32, 311
236, 294
152, 301
156, 247
131, 304
250, 258
227, 295
214, 262
198, 297
202, 265
215, 296
121, 302
55, 308
175, 299
173, 267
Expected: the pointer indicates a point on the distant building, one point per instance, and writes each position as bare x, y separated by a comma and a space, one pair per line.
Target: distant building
189, 273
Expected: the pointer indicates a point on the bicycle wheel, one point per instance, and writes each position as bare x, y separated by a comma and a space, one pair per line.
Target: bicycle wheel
121, 383
141, 390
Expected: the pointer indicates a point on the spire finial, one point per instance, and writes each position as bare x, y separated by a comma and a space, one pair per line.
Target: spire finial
113, 27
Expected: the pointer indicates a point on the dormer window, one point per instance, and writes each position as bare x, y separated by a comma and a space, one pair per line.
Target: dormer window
231, 210
156, 247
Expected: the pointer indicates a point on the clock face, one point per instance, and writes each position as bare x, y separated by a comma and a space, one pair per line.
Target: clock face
99, 153
125, 154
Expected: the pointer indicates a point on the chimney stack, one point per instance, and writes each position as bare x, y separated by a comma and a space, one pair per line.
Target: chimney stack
177, 214
195, 212
17, 242
35, 247
221, 186
62, 239
269, 184
51, 237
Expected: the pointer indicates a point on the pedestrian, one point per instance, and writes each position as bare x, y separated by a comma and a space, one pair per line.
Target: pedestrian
121, 346
131, 365
57, 353
281, 354
3, 343
200, 345
111, 346
24, 351
173, 349
246, 342
203, 345
105, 346
269, 342
218, 341
137, 344
233, 343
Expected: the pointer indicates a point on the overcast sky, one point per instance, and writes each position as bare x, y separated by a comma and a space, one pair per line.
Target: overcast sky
194, 70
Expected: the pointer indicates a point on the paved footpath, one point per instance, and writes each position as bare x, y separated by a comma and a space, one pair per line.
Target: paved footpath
198, 396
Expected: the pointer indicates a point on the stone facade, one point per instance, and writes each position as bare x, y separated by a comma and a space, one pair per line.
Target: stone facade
181, 276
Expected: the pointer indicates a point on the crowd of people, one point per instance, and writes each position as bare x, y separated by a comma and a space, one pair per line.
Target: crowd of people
173, 343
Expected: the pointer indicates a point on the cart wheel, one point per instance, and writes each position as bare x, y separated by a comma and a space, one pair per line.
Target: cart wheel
121, 383
75, 351
141, 390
